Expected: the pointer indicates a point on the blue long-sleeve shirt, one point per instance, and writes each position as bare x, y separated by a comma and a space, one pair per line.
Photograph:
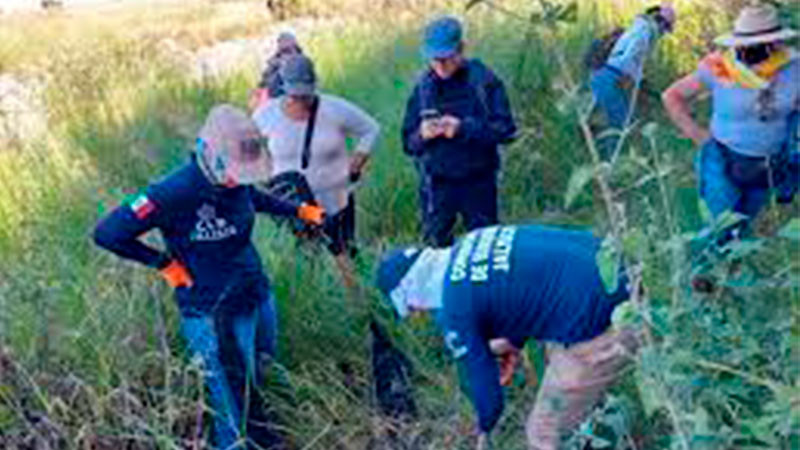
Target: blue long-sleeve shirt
476, 96
633, 47
205, 227
520, 282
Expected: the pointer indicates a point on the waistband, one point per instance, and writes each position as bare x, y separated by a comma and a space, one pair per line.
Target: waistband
614, 70
773, 157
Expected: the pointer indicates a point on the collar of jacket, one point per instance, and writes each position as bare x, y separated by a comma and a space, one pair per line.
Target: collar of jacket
202, 176
459, 75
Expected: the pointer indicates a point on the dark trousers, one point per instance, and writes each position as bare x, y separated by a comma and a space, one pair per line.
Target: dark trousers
442, 200
341, 230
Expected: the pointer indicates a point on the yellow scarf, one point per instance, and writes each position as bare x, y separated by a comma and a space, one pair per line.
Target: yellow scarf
726, 68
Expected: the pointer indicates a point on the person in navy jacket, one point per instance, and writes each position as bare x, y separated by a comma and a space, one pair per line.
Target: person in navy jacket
501, 285
457, 116
205, 212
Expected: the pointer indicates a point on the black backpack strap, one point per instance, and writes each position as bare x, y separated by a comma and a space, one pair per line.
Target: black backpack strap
312, 119
479, 80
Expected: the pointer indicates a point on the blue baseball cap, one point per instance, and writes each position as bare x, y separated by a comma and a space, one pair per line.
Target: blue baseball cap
394, 265
442, 38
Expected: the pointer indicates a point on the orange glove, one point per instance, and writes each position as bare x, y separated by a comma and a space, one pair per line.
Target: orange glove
177, 275
313, 214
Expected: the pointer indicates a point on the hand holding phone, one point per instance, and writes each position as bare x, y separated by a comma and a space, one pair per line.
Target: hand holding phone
431, 126
450, 125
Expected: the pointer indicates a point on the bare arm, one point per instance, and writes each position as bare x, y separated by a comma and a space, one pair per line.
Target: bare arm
677, 100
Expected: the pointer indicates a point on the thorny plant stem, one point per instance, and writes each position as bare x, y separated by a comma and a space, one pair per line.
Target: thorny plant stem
618, 228
677, 256
771, 385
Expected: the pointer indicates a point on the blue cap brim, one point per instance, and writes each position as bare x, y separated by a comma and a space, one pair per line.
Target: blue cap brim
440, 52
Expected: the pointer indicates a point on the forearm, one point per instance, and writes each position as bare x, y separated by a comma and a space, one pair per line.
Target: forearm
269, 204
413, 144
116, 234
676, 101
474, 133
680, 114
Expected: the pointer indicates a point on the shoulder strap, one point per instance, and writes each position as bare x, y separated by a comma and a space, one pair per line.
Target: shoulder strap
478, 79
312, 119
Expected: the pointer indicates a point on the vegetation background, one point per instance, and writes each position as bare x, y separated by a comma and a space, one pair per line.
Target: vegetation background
90, 357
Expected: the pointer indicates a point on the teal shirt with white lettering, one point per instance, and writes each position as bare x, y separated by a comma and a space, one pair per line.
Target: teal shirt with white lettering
520, 282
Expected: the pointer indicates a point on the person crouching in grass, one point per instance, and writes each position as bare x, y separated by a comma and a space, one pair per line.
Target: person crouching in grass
499, 286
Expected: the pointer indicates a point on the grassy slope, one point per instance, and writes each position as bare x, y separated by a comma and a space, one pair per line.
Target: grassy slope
94, 341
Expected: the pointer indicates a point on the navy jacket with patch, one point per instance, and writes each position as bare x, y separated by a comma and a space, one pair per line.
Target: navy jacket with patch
205, 227
520, 282
476, 96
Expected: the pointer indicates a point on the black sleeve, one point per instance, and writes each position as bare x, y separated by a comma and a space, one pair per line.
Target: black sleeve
266, 203
413, 144
119, 232
498, 126
471, 350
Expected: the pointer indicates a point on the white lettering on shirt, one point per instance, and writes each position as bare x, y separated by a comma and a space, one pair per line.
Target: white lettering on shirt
459, 270
501, 255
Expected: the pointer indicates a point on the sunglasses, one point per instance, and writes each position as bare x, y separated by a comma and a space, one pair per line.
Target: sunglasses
754, 54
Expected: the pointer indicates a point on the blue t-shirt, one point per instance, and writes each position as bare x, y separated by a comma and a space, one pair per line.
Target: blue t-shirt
205, 227
631, 50
520, 282
754, 122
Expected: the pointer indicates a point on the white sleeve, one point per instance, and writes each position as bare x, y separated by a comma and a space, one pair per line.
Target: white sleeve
262, 116
357, 123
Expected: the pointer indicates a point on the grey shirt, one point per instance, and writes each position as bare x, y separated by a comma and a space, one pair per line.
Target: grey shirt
328, 171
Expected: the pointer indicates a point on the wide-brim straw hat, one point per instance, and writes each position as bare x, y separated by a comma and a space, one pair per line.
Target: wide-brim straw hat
756, 25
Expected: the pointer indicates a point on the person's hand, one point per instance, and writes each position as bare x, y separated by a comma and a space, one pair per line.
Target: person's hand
176, 274
357, 163
699, 136
508, 363
450, 126
311, 214
626, 82
430, 129
508, 357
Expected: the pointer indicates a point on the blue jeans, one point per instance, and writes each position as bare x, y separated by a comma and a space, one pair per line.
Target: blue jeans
613, 102
230, 379
721, 193
718, 191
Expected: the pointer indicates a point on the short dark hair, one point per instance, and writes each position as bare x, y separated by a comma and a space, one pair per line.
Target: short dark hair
653, 10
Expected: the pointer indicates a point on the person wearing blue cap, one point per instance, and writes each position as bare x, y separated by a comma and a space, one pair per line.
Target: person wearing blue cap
501, 285
456, 117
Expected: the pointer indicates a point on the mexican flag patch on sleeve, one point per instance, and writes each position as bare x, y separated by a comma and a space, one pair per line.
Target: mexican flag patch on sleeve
142, 207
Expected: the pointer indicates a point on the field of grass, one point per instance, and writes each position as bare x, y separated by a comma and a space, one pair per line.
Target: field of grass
90, 357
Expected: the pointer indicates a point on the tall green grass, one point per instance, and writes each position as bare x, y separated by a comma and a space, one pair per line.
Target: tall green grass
90, 354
